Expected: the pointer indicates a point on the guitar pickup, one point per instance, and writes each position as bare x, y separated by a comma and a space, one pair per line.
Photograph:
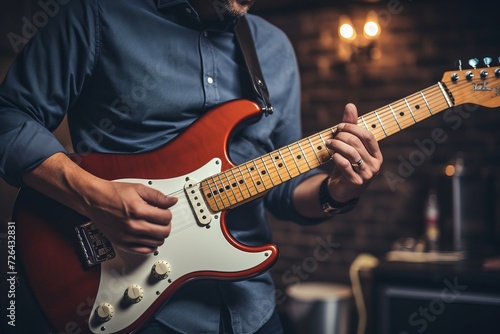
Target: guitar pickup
95, 247
198, 205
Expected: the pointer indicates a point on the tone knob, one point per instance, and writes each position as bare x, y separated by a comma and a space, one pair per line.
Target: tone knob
104, 312
134, 293
161, 269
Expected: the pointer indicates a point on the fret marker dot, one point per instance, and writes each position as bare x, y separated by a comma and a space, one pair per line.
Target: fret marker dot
280, 165
299, 157
263, 172
319, 148
401, 113
258, 183
417, 107
373, 126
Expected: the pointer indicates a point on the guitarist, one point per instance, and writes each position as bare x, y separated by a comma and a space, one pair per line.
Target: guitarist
131, 75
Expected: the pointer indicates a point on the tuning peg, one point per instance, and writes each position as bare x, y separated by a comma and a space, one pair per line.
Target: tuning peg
487, 61
459, 64
473, 62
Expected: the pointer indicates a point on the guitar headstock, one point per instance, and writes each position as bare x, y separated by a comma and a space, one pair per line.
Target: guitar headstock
480, 86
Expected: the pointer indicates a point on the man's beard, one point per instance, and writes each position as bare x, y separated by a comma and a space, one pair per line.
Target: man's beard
237, 8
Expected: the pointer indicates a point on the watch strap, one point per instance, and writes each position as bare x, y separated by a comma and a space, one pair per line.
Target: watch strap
331, 206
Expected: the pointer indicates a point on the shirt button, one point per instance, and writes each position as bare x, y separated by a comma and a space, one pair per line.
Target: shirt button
210, 80
205, 33
188, 10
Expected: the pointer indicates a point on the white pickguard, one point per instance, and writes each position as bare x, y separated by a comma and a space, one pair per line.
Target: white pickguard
190, 248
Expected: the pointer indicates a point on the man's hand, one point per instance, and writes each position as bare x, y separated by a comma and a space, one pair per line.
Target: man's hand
134, 217
352, 145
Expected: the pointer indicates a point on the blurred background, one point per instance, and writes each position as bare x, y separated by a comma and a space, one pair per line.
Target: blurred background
442, 196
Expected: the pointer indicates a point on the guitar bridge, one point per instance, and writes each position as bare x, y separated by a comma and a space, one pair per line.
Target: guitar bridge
95, 247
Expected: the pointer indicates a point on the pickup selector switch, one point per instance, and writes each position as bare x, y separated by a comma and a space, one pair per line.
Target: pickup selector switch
104, 312
161, 270
134, 294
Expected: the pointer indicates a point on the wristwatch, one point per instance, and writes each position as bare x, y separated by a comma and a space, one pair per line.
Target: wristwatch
331, 206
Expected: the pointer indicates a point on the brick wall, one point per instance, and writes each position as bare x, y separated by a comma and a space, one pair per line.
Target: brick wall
419, 41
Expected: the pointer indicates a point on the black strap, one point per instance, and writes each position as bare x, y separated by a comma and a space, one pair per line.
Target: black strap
247, 47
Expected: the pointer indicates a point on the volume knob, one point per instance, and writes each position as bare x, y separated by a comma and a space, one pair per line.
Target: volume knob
104, 312
161, 270
134, 293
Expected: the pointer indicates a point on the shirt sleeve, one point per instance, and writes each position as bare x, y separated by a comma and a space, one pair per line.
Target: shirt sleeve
44, 81
286, 101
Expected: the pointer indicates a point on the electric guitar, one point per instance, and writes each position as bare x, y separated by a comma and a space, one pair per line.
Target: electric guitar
80, 282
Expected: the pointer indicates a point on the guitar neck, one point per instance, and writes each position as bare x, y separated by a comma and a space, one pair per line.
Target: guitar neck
254, 178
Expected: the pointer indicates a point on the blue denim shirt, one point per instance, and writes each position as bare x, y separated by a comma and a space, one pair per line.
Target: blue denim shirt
130, 75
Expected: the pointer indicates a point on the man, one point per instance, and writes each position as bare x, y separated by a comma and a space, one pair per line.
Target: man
130, 76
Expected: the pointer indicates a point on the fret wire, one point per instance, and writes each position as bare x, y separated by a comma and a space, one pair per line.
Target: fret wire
250, 191
285, 164
411, 112
230, 185
327, 149
214, 195
445, 95
238, 184
256, 170
381, 124
304, 155
223, 190
395, 117
267, 171
259, 172
312, 146
293, 157
426, 103
364, 122
333, 132
246, 183
276, 167
374, 129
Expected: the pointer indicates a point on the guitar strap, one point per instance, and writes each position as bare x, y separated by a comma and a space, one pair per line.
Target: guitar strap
247, 47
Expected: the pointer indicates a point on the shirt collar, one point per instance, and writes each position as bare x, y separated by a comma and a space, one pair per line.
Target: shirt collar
189, 14
168, 3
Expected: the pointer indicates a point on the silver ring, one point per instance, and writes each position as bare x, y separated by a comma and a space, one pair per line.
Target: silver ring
358, 163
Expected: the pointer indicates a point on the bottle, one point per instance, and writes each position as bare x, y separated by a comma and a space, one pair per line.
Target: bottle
431, 221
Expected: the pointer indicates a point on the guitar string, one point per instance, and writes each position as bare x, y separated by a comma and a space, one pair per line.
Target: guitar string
368, 116
371, 119
433, 97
